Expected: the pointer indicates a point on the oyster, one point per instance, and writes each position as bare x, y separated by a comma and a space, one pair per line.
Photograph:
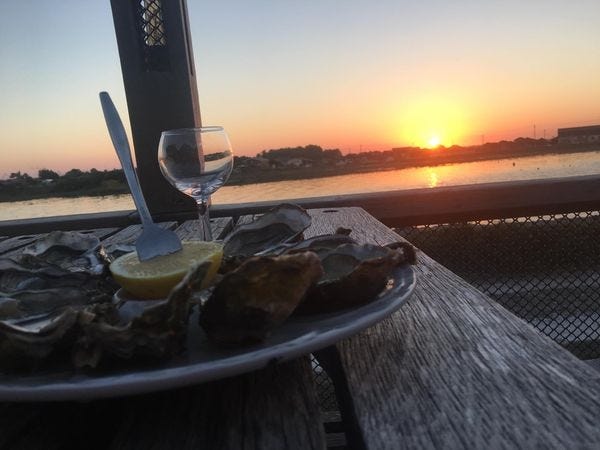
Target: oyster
69, 250
138, 328
28, 342
283, 223
27, 274
25, 303
42, 291
318, 244
59, 270
353, 275
408, 252
258, 296
60, 259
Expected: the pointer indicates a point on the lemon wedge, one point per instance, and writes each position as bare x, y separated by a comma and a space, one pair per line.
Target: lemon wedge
156, 277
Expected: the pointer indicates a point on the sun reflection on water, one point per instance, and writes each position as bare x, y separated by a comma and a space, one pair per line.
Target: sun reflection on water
433, 178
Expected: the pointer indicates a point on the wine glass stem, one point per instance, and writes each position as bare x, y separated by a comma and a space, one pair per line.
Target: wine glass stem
205, 233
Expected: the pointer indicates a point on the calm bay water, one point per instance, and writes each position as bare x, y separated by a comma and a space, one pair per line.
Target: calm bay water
535, 167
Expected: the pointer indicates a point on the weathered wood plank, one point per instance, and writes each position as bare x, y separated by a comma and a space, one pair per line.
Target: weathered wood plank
275, 408
55, 426
219, 228
452, 369
37, 225
129, 235
328, 220
269, 409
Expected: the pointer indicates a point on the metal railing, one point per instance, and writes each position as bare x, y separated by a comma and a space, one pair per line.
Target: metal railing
544, 269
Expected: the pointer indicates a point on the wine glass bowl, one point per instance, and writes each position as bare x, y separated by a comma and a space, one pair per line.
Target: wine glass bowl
197, 161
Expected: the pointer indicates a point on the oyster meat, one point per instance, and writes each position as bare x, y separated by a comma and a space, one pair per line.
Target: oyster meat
132, 328
354, 274
258, 296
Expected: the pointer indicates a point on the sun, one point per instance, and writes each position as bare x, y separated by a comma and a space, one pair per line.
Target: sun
430, 121
434, 141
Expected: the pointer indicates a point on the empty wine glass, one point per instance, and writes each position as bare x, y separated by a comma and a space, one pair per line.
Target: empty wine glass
197, 161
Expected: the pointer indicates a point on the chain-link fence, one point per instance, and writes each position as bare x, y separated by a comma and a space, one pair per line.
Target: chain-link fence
545, 269
325, 391
152, 35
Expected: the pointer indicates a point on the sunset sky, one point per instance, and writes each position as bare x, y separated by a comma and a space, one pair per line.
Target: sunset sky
352, 74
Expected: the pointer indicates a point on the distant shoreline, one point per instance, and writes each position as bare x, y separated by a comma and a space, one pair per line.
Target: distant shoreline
283, 174
113, 183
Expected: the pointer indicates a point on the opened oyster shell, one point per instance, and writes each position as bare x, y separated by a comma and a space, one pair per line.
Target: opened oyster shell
284, 223
258, 296
353, 275
320, 245
70, 250
53, 272
138, 328
42, 292
27, 343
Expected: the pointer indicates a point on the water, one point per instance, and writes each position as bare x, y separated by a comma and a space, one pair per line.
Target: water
185, 173
201, 186
512, 169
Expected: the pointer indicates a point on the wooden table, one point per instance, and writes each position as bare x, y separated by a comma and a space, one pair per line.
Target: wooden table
451, 369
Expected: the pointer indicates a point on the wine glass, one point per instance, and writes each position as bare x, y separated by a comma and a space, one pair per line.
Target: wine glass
197, 161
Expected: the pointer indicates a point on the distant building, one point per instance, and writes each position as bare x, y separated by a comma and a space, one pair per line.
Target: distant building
298, 162
579, 135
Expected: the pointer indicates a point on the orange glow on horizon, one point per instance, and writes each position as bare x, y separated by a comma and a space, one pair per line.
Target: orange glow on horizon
431, 121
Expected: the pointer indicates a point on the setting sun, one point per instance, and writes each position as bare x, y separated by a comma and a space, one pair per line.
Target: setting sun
434, 141
432, 120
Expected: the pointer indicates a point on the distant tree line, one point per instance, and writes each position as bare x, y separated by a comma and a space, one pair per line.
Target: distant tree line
73, 183
310, 152
281, 164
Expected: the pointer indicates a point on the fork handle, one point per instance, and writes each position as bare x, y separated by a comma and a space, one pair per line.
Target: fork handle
118, 137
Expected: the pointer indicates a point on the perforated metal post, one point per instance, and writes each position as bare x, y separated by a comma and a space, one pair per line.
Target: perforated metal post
160, 84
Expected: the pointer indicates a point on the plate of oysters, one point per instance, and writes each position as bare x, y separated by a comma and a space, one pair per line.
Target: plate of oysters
69, 332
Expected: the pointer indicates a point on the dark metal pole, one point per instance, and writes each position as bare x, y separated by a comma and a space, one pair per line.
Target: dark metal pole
157, 63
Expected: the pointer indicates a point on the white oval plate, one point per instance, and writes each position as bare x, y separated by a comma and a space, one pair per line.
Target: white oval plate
203, 361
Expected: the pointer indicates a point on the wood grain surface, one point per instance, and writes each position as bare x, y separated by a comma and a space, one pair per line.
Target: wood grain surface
269, 409
219, 228
452, 369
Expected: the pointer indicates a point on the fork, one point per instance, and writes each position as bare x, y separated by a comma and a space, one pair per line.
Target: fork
154, 241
